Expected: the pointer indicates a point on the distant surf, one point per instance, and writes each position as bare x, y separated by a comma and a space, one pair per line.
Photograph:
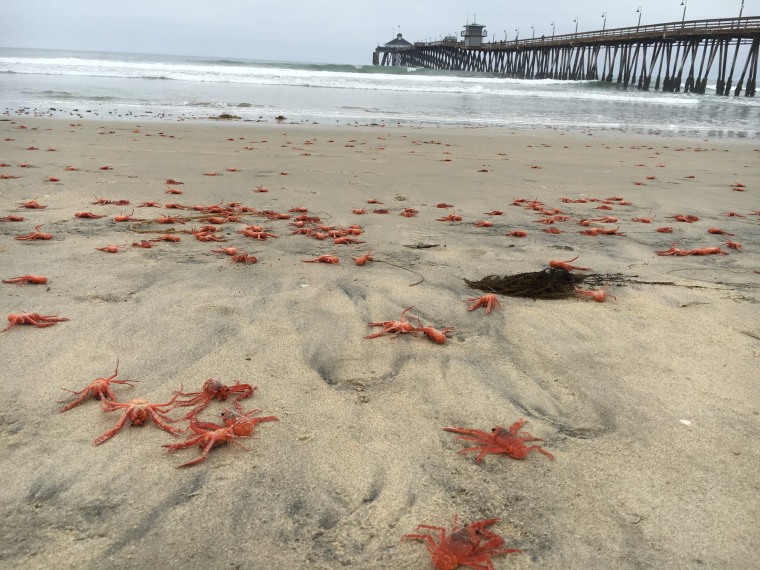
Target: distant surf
178, 87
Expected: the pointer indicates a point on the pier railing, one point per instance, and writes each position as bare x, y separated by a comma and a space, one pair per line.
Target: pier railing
632, 54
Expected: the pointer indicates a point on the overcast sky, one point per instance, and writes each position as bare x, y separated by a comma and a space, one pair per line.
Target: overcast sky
328, 31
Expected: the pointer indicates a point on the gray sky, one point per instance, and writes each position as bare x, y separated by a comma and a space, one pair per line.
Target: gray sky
329, 31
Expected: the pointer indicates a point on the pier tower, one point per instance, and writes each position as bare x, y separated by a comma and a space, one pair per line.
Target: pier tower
473, 35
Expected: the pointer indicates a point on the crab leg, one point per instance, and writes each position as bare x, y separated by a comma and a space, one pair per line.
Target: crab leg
112, 432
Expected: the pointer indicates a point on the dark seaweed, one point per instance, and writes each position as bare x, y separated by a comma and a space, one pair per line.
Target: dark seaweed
546, 284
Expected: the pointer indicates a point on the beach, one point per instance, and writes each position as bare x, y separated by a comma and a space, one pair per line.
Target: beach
648, 401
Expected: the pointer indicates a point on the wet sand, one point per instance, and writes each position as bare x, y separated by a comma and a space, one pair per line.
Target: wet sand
648, 402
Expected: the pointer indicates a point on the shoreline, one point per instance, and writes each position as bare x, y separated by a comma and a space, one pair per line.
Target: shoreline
647, 402
122, 117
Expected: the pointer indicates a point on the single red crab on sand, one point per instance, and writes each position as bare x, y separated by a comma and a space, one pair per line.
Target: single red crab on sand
472, 545
501, 440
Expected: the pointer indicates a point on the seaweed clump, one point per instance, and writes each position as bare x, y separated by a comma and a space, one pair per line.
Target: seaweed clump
547, 284
225, 117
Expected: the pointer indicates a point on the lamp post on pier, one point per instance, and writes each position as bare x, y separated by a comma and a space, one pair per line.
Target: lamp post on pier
517, 34
552, 28
533, 30
683, 18
604, 25
639, 24
505, 36
576, 24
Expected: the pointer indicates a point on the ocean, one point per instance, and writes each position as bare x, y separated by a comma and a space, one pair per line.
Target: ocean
171, 88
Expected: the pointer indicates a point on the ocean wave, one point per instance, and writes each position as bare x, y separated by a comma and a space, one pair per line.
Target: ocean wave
279, 76
69, 96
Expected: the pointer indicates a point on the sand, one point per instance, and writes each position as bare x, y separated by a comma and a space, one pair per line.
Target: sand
648, 402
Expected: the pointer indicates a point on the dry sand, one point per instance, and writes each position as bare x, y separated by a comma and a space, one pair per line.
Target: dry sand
649, 404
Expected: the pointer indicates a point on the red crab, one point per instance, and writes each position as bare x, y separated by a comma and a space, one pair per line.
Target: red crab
733, 244
243, 422
324, 259
672, 251
719, 232
472, 545
500, 440
362, 259
138, 411
699, 251
209, 435
437, 336
170, 220
32, 205
127, 218
212, 390
566, 265
393, 327
34, 279
226, 250
99, 389
244, 257
258, 235
105, 201
346, 240
450, 218
110, 248
489, 301
35, 319
36, 234
688, 218
598, 295
167, 237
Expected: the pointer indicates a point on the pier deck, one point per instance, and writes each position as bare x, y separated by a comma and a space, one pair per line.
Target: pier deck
674, 55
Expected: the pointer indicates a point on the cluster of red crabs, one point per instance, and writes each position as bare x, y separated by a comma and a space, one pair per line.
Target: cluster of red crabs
471, 545
236, 422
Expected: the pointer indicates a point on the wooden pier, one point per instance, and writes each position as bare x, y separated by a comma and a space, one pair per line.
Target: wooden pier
668, 57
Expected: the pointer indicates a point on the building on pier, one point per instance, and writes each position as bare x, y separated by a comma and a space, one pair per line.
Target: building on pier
473, 35
398, 42
392, 50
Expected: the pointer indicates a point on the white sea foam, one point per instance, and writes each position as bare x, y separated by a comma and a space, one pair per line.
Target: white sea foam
290, 76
